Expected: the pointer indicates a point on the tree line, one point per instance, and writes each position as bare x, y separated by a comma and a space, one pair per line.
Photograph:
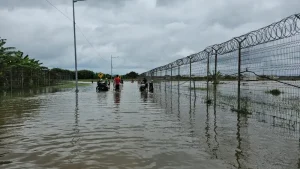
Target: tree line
18, 70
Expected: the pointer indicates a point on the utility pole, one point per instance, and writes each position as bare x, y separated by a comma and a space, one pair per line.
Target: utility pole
111, 66
111, 76
75, 50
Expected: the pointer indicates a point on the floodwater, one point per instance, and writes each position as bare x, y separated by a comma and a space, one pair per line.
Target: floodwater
54, 128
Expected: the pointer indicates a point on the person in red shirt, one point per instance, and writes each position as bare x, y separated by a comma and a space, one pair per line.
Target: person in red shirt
117, 82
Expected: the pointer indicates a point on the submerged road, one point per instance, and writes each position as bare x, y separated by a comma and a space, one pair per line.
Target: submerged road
131, 130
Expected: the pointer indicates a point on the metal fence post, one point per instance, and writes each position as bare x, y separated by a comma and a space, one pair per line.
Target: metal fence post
190, 71
178, 77
166, 80
160, 80
190, 80
49, 77
216, 62
239, 70
171, 77
215, 80
207, 77
239, 77
207, 69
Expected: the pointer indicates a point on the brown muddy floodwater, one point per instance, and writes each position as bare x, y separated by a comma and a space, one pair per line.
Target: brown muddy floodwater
131, 130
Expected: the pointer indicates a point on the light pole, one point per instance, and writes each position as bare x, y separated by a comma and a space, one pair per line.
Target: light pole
75, 51
111, 66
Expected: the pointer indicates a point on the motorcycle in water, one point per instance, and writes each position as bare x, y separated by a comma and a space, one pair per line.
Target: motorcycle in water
143, 87
101, 86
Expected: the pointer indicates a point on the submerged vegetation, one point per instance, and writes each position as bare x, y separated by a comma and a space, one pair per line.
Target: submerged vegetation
208, 101
71, 84
198, 88
243, 111
274, 92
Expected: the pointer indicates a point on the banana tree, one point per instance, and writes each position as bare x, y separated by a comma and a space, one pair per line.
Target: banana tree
216, 77
5, 50
5, 55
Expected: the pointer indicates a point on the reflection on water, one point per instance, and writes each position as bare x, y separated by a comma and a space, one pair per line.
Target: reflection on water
117, 97
238, 138
215, 149
144, 96
178, 104
130, 129
207, 127
76, 133
244, 141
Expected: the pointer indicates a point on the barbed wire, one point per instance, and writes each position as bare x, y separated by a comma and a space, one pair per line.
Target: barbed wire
284, 28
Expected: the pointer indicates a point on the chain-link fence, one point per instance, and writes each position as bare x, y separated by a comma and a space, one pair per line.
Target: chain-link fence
24, 78
256, 74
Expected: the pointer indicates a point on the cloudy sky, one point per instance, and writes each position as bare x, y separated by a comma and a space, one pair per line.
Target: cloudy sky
143, 33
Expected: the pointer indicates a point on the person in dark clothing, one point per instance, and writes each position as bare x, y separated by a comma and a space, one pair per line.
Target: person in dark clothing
145, 82
151, 89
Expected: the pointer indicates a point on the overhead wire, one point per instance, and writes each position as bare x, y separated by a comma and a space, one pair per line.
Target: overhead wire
59, 10
80, 30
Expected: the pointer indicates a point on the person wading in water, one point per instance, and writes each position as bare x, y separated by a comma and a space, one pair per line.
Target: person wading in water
117, 81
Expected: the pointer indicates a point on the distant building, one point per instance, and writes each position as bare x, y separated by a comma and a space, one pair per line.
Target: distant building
167, 77
273, 77
249, 78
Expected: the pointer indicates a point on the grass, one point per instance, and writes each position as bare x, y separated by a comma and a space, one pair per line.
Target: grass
198, 88
243, 110
87, 80
71, 84
274, 92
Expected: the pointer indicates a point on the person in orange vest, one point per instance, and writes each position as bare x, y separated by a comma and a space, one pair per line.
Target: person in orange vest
117, 82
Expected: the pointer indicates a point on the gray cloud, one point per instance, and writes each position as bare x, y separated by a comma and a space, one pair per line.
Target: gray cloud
107, 4
143, 33
167, 2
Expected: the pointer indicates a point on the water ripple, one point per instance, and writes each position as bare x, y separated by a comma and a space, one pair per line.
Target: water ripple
106, 130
